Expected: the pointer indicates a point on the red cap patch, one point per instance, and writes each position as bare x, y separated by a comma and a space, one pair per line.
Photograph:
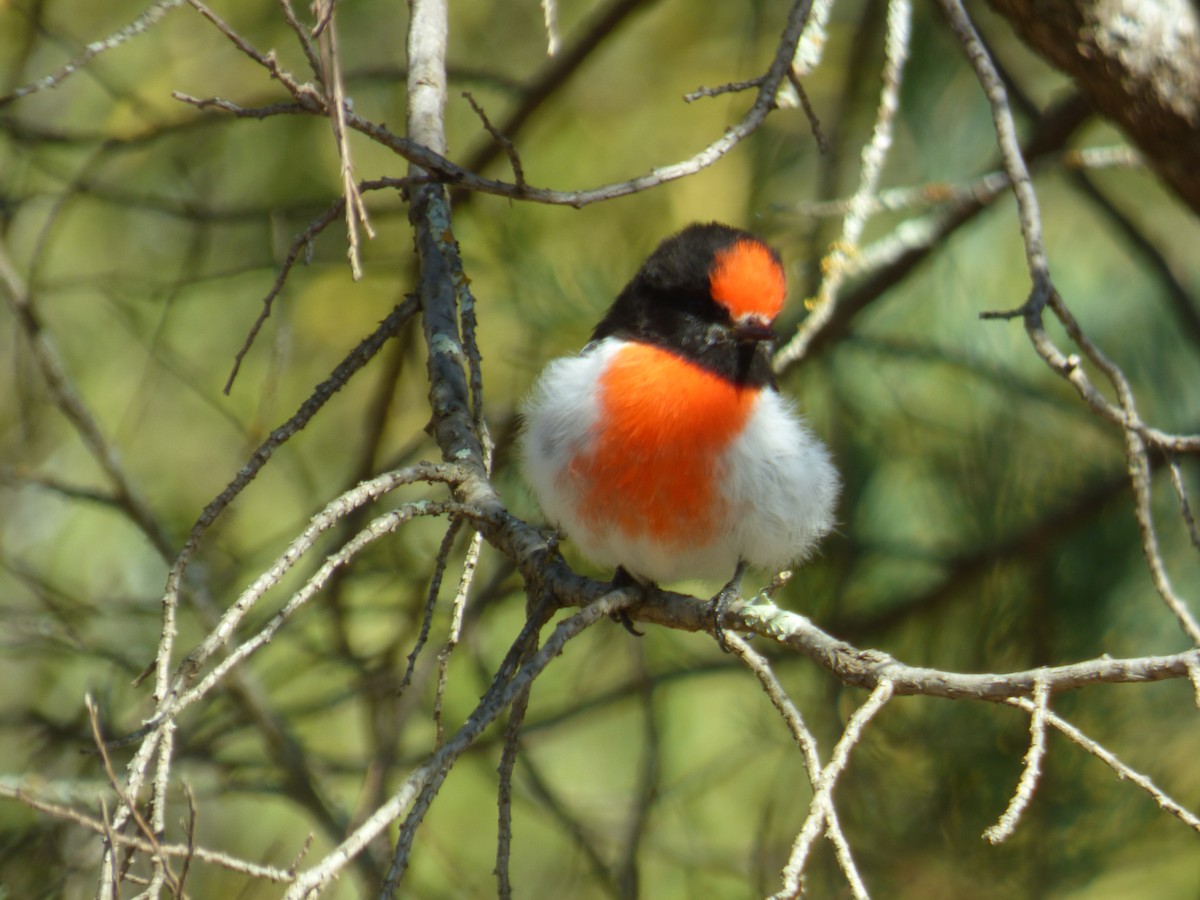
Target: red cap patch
747, 279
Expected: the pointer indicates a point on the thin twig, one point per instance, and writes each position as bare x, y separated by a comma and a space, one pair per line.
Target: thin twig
1124, 772
355, 360
444, 654
189, 829
510, 150
1185, 507
808, 748
1194, 675
160, 795
916, 240
810, 113
305, 41
430, 158
137, 769
517, 654
136, 28
822, 800
550, 20
440, 561
1028, 212
874, 155
1139, 475
303, 243
494, 702
733, 87
239, 111
336, 103
508, 761
324, 10
592, 34
303, 93
1031, 772
114, 838
982, 188
147, 831
380, 527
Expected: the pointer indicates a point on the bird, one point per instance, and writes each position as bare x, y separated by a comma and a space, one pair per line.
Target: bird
664, 449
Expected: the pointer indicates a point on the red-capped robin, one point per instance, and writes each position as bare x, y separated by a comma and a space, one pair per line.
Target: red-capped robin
664, 448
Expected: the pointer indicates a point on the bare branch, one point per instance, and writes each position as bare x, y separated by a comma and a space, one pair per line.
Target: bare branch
874, 154
206, 691
822, 800
1185, 508
149, 833
303, 243
1139, 63
139, 26
733, 87
1028, 212
1124, 772
550, 17
336, 104
1003, 829
981, 189
102, 827
304, 40
429, 156
510, 151
239, 111
808, 747
303, 93
359, 357
508, 761
557, 70
489, 709
431, 596
892, 258
1139, 475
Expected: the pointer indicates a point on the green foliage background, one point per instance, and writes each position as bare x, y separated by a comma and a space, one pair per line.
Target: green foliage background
986, 523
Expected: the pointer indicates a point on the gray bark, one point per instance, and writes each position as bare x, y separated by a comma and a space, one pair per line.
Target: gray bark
1138, 61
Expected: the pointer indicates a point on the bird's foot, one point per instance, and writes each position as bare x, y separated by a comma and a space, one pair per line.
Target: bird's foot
720, 603
622, 579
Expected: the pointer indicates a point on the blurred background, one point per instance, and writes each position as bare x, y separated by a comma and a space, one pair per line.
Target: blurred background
986, 524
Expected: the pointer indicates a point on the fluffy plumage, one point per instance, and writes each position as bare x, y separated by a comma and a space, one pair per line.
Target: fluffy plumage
664, 447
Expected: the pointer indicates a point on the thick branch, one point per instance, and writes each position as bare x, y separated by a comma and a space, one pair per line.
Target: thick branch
1139, 64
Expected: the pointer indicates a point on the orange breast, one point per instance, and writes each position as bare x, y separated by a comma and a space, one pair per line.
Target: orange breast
652, 467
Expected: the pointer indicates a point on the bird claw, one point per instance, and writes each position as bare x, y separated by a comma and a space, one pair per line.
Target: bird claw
720, 603
627, 623
622, 579
717, 608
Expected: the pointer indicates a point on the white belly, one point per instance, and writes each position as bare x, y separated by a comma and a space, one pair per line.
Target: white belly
777, 482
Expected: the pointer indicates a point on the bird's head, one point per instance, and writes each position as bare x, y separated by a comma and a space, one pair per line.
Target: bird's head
709, 293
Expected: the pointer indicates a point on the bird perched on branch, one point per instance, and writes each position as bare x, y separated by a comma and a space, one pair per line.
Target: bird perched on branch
664, 448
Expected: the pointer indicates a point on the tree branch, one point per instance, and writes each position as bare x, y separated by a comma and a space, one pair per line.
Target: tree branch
1138, 63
